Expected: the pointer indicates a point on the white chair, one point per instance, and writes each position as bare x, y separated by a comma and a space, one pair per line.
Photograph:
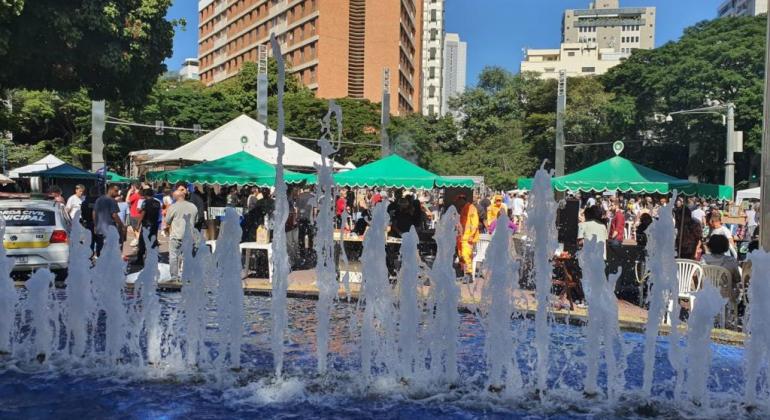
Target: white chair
481, 251
629, 228
721, 279
688, 276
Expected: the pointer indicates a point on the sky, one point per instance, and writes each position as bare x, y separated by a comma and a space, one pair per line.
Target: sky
496, 30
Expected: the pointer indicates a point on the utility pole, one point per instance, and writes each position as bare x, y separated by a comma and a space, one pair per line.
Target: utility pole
727, 112
730, 155
385, 113
561, 108
764, 222
262, 84
98, 121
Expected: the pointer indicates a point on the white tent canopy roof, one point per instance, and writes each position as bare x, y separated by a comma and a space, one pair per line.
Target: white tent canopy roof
750, 194
47, 162
242, 134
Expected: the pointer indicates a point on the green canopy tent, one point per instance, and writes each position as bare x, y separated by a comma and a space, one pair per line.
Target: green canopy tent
620, 174
240, 168
114, 177
396, 172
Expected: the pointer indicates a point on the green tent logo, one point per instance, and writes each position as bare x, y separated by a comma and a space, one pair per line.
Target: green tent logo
618, 147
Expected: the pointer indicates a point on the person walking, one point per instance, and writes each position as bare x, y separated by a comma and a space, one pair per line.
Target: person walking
75, 201
149, 219
468, 235
617, 224
133, 197
106, 215
177, 218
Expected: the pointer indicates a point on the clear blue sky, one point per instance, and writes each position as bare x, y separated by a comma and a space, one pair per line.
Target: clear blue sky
496, 30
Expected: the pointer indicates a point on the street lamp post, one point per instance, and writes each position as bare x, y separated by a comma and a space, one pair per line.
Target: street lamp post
727, 111
764, 209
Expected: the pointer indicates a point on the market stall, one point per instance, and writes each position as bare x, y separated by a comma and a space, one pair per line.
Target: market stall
618, 174
242, 134
66, 177
239, 169
622, 175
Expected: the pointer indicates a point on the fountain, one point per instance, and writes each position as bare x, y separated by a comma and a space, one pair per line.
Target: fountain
213, 352
541, 226
603, 330
326, 271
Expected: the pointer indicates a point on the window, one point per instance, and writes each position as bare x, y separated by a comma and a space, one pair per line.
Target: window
432, 73
432, 53
433, 34
571, 53
432, 92
433, 15
588, 69
431, 110
550, 70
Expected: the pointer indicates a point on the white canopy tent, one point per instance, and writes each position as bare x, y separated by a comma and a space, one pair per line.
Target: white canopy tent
47, 162
749, 194
242, 134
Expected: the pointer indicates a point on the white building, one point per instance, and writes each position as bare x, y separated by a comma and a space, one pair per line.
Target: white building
455, 63
742, 8
578, 59
594, 40
432, 56
189, 70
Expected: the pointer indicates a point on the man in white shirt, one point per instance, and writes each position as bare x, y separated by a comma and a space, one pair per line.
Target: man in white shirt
518, 208
751, 222
75, 202
593, 228
717, 228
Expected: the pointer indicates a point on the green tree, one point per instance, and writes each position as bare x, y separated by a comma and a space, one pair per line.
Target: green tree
719, 60
112, 49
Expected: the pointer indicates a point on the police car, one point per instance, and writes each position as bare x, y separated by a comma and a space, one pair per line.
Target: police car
36, 235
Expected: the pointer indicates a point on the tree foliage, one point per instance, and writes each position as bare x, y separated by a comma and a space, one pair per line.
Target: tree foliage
112, 49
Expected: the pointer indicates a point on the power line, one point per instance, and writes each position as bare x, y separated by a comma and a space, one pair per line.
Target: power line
120, 121
343, 141
134, 124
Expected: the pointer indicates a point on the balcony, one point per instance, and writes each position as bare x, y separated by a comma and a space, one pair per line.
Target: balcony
220, 41
220, 25
219, 59
219, 76
220, 8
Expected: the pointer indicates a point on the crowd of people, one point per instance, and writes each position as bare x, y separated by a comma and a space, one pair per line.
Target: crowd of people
613, 220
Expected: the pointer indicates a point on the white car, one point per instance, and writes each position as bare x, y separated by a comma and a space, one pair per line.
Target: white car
36, 235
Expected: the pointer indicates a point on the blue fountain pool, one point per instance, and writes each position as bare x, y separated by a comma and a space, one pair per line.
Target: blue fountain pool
29, 391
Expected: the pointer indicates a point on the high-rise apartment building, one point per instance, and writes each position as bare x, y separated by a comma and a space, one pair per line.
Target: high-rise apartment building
610, 26
454, 69
595, 39
337, 48
742, 8
432, 56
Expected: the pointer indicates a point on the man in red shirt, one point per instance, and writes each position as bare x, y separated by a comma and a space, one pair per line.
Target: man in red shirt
340, 205
133, 198
618, 223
